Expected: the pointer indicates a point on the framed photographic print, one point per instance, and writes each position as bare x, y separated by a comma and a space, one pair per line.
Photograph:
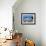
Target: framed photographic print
28, 18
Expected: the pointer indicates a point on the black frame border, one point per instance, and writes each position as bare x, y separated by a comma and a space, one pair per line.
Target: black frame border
31, 23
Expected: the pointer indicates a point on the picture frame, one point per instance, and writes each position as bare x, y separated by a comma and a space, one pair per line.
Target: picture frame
28, 18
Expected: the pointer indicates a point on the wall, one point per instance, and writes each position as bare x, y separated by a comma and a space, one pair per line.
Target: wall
6, 13
43, 22
33, 32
